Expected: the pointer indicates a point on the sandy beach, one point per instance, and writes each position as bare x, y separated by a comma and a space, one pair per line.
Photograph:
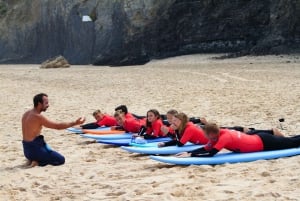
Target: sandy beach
250, 91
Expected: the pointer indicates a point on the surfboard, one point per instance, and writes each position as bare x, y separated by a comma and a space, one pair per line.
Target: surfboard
101, 132
222, 158
80, 131
161, 151
152, 144
126, 142
108, 137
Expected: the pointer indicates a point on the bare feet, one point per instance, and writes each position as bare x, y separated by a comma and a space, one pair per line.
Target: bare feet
246, 130
277, 132
34, 163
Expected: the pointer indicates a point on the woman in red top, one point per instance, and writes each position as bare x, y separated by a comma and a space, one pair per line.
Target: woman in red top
185, 132
128, 124
101, 120
240, 142
153, 125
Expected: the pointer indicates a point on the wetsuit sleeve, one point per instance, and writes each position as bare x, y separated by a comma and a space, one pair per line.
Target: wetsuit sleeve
120, 128
171, 143
171, 135
147, 136
90, 126
202, 152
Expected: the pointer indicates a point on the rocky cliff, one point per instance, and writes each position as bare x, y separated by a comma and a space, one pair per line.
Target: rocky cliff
125, 32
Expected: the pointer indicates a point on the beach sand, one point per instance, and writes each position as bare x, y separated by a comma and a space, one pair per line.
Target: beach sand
241, 91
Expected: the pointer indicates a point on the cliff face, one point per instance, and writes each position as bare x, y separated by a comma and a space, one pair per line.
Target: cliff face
125, 32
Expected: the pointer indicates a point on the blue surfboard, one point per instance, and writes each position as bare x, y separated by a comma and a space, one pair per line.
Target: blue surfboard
126, 142
161, 151
79, 131
108, 137
222, 158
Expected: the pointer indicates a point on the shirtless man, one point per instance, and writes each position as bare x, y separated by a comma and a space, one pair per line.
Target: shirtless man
35, 148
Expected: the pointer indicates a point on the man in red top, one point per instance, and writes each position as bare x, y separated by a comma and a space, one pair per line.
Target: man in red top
240, 142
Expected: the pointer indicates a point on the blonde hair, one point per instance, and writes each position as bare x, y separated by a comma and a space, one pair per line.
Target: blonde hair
211, 127
172, 112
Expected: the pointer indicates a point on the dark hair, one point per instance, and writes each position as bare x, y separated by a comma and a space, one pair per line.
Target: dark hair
172, 112
38, 99
122, 108
184, 121
156, 114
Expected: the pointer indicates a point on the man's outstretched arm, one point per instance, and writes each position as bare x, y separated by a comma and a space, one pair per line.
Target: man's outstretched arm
55, 125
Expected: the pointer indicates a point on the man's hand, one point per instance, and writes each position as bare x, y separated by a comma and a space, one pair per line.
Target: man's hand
80, 121
183, 155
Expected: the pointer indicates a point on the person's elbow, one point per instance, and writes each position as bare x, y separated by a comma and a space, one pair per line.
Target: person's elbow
180, 144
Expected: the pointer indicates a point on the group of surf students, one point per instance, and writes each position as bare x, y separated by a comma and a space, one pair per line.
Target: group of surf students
175, 125
182, 129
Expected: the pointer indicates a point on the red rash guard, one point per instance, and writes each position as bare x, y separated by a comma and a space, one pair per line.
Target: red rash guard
107, 121
129, 116
132, 125
236, 141
193, 134
154, 130
171, 131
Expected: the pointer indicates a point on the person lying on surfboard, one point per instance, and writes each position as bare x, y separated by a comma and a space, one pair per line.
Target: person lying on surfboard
239, 142
34, 146
130, 125
197, 136
124, 109
185, 131
168, 129
102, 120
153, 126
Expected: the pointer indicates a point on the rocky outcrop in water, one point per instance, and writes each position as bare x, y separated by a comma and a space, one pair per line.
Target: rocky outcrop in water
127, 32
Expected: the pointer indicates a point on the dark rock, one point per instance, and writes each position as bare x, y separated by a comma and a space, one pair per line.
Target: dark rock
133, 32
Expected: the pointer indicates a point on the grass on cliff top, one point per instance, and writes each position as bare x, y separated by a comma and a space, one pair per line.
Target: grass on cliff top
3, 8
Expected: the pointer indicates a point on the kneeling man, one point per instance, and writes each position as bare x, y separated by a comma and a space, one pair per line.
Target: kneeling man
35, 148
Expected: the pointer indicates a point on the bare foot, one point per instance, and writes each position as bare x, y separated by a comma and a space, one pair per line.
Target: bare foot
34, 163
246, 130
277, 132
